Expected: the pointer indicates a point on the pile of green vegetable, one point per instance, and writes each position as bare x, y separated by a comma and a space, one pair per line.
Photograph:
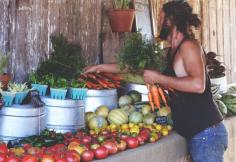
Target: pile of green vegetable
66, 61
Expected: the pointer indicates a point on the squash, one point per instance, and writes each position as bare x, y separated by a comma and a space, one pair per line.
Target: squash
97, 122
128, 109
124, 100
135, 95
149, 119
117, 117
136, 117
102, 111
146, 109
89, 115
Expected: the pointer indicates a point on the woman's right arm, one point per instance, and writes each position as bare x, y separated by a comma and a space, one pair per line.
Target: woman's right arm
109, 68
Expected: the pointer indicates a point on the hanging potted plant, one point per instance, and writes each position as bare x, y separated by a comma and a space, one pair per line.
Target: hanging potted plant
4, 77
121, 16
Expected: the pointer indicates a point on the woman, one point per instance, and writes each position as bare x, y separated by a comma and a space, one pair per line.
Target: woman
195, 114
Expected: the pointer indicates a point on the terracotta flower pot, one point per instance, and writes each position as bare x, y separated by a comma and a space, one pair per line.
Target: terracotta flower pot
5, 79
121, 20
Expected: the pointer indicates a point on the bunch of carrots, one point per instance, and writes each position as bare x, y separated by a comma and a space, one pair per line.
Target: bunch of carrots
155, 96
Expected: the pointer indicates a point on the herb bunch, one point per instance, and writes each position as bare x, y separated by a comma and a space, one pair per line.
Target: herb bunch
140, 53
65, 62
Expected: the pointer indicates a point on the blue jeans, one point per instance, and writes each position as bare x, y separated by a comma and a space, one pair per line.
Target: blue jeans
209, 145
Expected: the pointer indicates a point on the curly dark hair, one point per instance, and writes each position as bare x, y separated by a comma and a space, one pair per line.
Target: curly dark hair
181, 14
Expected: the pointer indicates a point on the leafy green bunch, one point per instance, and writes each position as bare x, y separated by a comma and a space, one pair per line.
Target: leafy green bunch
140, 53
121, 4
66, 61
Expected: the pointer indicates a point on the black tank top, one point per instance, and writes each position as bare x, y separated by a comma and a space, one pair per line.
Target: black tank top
192, 112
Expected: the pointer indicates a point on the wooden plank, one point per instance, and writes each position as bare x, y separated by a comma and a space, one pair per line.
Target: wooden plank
205, 25
212, 25
232, 24
4, 25
226, 39
219, 29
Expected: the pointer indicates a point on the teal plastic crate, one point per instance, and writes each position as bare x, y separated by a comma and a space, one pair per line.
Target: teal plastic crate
20, 96
59, 94
41, 88
8, 98
78, 93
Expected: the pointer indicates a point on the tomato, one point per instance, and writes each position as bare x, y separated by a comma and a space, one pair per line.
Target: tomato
3, 157
3, 148
132, 142
47, 158
140, 139
101, 152
77, 147
80, 134
33, 150
61, 159
88, 155
123, 136
76, 140
86, 139
121, 145
111, 147
72, 156
26, 146
114, 134
12, 159
29, 158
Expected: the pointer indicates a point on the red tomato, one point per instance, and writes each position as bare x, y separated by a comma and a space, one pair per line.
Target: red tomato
132, 142
80, 134
26, 146
111, 147
3, 148
3, 157
29, 158
33, 150
12, 159
61, 160
101, 152
88, 156
72, 156
47, 158
86, 139
124, 136
121, 145
141, 139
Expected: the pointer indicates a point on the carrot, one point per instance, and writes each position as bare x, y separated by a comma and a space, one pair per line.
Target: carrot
156, 97
151, 101
150, 98
161, 92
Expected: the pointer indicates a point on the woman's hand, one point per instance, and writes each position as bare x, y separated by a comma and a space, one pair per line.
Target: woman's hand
109, 68
90, 69
150, 76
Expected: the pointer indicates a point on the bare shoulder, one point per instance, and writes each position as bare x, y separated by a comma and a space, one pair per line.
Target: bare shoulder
191, 47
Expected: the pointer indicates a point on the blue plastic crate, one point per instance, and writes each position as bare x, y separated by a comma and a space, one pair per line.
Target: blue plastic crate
78, 93
20, 96
8, 98
59, 94
41, 88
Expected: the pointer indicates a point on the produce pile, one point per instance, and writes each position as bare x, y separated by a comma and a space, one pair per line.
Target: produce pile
101, 80
109, 132
227, 101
